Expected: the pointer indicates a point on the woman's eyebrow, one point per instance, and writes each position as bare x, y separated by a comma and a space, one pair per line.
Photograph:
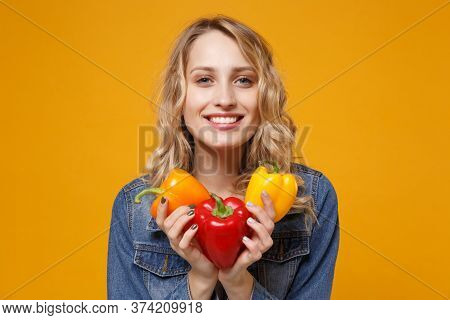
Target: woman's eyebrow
234, 69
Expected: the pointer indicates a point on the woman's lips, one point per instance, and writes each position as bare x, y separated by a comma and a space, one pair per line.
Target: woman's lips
224, 126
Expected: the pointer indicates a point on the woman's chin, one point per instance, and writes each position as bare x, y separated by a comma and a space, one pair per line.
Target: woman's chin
223, 145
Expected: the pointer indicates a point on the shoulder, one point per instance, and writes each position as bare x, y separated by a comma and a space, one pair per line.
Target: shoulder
124, 207
137, 183
317, 184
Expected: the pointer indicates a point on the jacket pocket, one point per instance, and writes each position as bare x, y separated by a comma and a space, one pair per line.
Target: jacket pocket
278, 266
161, 261
291, 238
162, 269
287, 245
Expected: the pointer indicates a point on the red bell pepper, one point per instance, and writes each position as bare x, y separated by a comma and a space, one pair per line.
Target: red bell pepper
221, 226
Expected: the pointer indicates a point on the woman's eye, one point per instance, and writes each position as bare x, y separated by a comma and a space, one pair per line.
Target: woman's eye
201, 80
244, 80
247, 80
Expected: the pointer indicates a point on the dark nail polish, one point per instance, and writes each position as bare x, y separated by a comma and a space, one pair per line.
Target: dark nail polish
163, 200
194, 226
191, 212
192, 206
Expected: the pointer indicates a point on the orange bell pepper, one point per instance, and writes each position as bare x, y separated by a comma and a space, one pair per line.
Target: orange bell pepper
180, 188
282, 189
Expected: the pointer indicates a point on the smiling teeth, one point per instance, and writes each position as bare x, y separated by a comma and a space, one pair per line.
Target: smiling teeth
223, 119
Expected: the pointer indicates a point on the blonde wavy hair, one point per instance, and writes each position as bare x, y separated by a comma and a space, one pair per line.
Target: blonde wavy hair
274, 138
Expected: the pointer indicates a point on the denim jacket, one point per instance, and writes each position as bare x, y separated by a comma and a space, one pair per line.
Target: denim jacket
300, 264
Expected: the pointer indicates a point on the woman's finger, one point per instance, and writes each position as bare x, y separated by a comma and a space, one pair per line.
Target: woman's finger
187, 238
254, 253
161, 212
250, 255
262, 216
177, 213
176, 230
268, 204
262, 233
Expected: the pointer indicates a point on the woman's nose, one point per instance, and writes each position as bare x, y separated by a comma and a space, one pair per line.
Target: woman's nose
224, 95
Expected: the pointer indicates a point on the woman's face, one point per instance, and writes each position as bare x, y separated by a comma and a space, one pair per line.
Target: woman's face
221, 101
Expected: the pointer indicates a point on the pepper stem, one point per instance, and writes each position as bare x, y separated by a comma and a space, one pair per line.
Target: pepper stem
275, 167
220, 210
144, 192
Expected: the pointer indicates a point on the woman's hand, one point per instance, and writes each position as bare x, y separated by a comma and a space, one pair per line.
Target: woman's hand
203, 274
237, 281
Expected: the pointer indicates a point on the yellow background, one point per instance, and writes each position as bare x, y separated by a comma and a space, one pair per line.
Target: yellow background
373, 78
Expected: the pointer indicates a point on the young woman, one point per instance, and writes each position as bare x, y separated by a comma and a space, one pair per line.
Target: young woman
221, 112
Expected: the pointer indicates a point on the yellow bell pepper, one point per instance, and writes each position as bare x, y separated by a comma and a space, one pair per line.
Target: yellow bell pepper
282, 189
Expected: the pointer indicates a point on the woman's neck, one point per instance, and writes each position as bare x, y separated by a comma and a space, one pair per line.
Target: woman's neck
216, 169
